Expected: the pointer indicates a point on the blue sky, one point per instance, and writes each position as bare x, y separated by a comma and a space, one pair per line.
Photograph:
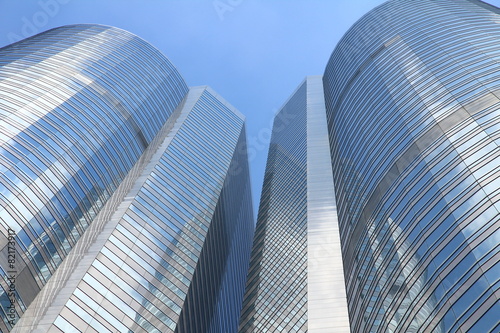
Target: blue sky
252, 52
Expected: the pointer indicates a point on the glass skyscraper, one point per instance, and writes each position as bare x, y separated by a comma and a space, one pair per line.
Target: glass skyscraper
125, 195
412, 96
125, 201
412, 102
295, 281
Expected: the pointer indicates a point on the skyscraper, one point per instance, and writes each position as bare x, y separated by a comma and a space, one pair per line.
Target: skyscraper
125, 194
412, 97
125, 199
295, 281
412, 100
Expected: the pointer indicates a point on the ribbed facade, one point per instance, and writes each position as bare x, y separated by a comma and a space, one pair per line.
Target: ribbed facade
78, 110
126, 193
215, 297
172, 256
125, 201
413, 98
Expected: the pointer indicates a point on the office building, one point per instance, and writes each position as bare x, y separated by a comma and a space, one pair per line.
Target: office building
412, 97
125, 195
295, 281
412, 102
125, 198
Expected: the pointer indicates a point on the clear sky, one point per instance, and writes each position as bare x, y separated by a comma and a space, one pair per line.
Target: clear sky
252, 52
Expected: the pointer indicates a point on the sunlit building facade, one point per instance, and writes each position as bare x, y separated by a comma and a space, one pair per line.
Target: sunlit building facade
125, 195
295, 281
125, 201
413, 104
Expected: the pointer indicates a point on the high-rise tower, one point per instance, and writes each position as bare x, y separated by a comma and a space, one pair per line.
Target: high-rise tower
295, 281
413, 101
412, 95
125, 195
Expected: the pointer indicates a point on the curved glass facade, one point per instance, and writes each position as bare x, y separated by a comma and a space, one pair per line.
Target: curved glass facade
125, 195
413, 104
78, 107
173, 256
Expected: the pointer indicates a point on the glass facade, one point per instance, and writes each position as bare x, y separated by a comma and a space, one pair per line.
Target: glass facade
76, 116
125, 201
413, 104
276, 293
295, 281
170, 255
125, 194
